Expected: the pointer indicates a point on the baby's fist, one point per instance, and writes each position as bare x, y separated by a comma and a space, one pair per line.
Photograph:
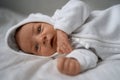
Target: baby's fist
69, 66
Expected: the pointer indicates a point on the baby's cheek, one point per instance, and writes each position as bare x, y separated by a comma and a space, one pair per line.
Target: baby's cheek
47, 52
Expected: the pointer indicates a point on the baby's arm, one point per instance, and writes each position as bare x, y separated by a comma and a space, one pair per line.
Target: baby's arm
68, 19
77, 61
71, 16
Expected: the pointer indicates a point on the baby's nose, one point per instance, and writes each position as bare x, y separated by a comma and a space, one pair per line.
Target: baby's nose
42, 39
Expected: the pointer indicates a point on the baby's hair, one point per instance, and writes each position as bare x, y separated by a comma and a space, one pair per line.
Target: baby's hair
16, 32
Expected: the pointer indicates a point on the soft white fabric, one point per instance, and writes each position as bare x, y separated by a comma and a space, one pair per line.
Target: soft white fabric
78, 13
70, 17
101, 31
28, 67
98, 31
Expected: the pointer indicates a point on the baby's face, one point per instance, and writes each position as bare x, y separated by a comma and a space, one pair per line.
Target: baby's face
37, 38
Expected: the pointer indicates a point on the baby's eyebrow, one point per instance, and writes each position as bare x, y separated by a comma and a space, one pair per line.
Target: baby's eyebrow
32, 29
32, 42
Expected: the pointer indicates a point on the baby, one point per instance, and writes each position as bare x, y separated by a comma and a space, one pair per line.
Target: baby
72, 30
39, 38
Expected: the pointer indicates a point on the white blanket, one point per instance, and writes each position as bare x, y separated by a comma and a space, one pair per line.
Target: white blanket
28, 67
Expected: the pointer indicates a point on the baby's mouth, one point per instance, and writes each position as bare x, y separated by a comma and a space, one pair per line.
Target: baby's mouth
52, 41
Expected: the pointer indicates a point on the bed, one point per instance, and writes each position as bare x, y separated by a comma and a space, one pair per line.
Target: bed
28, 67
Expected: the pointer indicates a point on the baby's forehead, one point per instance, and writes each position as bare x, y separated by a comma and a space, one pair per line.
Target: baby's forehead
28, 24
23, 36
26, 30
24, 25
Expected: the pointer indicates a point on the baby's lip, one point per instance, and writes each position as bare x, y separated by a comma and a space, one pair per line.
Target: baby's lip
51, 42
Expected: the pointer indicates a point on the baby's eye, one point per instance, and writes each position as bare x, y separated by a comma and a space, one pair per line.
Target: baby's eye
39, 30
36, 47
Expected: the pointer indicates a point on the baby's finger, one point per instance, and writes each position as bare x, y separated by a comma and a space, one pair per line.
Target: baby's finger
67, 48
60, 51
61, 48
77, 69
66, 66
60, 63
71, 67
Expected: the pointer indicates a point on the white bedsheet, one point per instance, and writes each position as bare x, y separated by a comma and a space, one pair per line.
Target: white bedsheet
28, 67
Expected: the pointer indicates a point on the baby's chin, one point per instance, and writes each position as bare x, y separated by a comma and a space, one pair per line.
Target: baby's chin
54, 54
50, 53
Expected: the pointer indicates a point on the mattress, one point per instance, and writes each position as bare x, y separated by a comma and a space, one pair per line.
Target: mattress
28, 67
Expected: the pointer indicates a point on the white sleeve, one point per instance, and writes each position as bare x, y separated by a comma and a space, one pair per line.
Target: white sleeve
86, 58
71, 16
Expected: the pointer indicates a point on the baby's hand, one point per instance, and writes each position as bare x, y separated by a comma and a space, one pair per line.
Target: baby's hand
63, 44
69, 66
